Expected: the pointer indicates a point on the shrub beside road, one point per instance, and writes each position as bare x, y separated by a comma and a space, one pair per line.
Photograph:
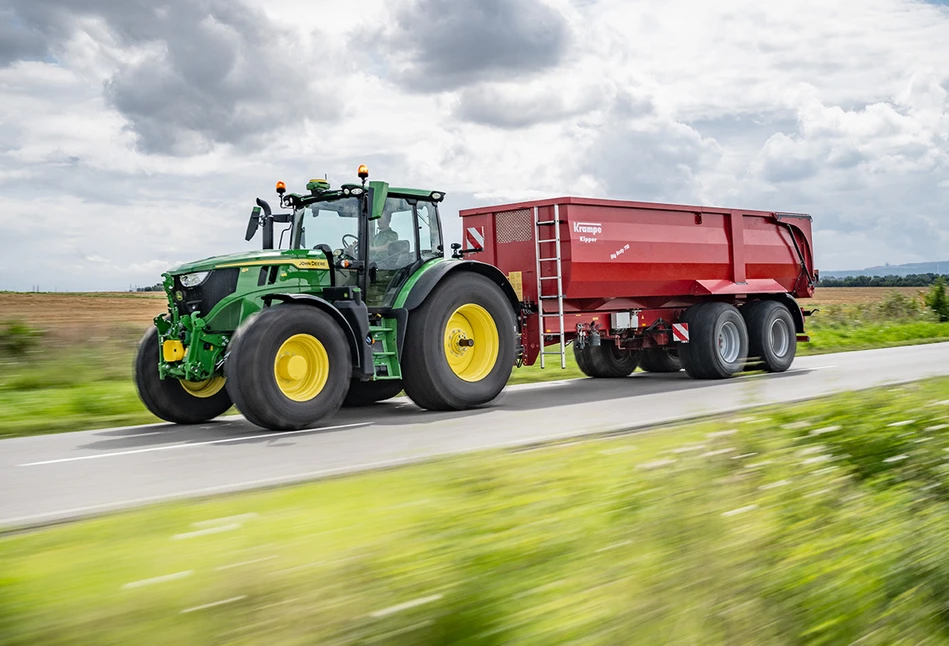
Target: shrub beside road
65, 359
822, 522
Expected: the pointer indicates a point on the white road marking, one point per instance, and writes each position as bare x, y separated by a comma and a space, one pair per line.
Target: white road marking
243, 563
225, 519
158, 579
385, 612
210, 530
214, 603
186, 445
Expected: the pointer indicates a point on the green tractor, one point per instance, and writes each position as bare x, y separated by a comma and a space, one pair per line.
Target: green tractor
356, 303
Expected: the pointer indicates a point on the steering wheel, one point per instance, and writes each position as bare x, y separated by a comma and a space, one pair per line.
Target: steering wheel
350, 245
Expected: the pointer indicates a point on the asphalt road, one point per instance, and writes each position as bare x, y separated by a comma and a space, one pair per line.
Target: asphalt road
56, 477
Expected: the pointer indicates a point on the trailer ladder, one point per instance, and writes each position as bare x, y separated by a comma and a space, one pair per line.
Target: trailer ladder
548, 231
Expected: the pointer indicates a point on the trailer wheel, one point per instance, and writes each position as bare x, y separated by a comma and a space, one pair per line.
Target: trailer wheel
772, 340
288, 367
660, 360
605, 361
181, 402
364, 393
459, 345
718, 343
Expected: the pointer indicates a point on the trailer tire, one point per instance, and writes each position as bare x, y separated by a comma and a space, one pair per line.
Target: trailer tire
288, 367
441, 372
718, 341
660, 360
364, 393
605, 361
170, 399
772, 340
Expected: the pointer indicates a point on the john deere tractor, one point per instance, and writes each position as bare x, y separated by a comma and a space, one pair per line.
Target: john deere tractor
356, 303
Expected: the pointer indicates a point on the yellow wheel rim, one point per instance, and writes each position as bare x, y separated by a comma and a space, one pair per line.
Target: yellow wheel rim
471, 342
301, 367
203, 389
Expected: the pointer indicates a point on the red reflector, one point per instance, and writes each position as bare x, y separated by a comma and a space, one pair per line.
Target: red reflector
803, 338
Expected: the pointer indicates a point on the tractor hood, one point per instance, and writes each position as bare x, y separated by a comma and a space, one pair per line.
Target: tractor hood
237, 259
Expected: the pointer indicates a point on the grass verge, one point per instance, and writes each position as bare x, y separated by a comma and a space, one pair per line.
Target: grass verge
825, 522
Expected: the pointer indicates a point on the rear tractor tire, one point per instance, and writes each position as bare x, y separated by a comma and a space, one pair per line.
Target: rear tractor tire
365, 393
718, 341
459, 346
605, 361
660, 360
772, 337
288, 367
173, 400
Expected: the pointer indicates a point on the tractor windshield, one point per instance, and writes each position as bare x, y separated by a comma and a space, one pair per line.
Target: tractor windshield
333, 222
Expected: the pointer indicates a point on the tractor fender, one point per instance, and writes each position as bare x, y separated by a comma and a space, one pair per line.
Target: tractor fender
432, 277
356, 345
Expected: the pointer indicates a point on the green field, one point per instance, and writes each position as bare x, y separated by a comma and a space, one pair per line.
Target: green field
65, 382
822, 523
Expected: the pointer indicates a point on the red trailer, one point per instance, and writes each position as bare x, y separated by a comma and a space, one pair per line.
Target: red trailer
660, 286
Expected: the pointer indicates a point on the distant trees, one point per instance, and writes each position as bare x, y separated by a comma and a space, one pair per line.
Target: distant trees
157, 287
910, 280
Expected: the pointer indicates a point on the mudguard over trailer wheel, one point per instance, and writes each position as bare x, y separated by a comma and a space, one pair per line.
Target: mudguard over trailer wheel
459, 345
181, 402
605, 361
772, 339
288, 367
718, 341
364, 393
660, 360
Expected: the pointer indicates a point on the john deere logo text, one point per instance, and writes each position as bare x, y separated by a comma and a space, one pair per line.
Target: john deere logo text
311, 264
588, 230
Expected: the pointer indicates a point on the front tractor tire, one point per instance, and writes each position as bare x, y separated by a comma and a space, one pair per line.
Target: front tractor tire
459, 345
606, 360
173, 400
288, 367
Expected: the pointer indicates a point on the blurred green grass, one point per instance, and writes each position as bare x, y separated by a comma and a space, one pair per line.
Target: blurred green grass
822, 523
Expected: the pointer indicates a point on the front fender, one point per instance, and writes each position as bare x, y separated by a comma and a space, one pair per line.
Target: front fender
355, 346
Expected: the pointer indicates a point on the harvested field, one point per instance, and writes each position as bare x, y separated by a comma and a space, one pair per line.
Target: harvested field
856, 295
66, 315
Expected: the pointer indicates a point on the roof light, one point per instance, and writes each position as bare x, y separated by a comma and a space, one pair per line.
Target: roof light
363, 171
281, 188
437, 195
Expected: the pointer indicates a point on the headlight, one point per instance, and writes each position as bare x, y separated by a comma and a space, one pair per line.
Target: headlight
193, 280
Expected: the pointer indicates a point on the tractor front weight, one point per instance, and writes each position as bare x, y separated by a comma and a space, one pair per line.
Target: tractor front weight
186, 350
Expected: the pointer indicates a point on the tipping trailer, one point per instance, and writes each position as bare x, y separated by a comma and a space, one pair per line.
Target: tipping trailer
660, 286
355, 301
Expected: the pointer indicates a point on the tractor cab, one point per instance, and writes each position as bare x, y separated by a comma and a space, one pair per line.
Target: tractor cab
372, 236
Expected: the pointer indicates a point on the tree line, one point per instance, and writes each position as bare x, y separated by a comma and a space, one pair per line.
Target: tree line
910, 280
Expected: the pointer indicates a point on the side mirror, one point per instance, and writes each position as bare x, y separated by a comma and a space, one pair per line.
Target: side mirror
253, 224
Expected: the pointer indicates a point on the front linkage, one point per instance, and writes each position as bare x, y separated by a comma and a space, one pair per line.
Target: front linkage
185, 349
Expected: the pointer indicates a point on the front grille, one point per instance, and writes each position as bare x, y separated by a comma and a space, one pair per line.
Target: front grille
220, 284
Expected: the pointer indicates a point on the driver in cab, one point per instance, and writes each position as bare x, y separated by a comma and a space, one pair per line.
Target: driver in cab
379, 245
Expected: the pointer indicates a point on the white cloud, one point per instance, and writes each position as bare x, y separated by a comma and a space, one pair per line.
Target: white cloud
837, 109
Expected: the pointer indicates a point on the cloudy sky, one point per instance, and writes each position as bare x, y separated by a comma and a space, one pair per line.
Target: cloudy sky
134, 134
